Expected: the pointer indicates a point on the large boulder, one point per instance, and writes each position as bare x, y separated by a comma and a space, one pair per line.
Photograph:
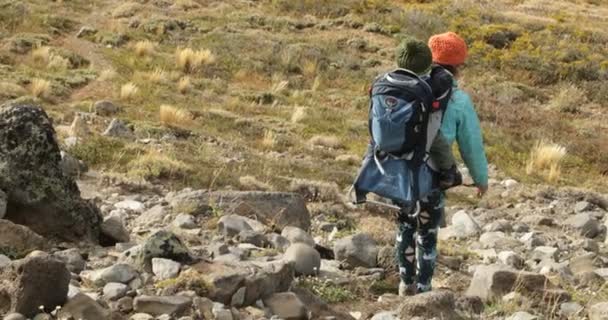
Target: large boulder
275, 209
359, 250
440, 304
171, 305
306, 259
494, 281
286, 305
33, 282
18, 240
39, 194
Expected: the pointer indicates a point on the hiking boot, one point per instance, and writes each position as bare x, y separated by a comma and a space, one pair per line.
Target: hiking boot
406, 290
450, 178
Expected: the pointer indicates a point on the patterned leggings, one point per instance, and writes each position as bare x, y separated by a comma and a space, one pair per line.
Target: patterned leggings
417, 245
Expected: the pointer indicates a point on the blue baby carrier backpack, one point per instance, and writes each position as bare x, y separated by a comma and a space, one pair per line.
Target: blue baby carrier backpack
404, 118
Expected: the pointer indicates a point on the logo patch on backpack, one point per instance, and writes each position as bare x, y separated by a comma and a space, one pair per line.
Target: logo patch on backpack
391, 102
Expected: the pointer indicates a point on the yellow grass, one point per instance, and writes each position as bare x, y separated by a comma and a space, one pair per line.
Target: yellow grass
57, 62
280, 87
189, 60
8, 89
157, 75
144, 48
40, 88
380, 229
174, 117
251, 183
270, 139
545, 160
184, 85
185, 4
299, 114
309, 68
155, 164
326, 141
128, 91
107, 74
41, 55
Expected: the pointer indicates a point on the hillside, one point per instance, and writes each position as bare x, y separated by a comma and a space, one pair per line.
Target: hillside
155, 96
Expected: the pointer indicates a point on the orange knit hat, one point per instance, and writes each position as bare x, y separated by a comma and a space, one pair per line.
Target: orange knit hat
448, 48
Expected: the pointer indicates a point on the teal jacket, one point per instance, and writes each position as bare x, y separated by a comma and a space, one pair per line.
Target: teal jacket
461, 124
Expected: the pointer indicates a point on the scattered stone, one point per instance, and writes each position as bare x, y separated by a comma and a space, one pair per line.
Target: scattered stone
32, 282
584, 224
164, 268
359, 250
509, 183
297, 235
4, 261
583, 206
385, 315
232, 225
465, 225
238, 298
14, 316
130, 205
118, 129
19, 240
440, 304
185, 221
121, 273
72, 259
105, 108
162, 244
494, 281
598, 311
40, 195
143, 316
306, 259
497, 240
151, 216
114, 290
252, 237
590, 245
114, 230
511, 258
545, 253
522, 315
71, 166
286, 305
570, 310
277, 241
171, 305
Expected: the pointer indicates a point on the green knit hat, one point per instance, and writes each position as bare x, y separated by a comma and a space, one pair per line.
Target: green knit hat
414, 55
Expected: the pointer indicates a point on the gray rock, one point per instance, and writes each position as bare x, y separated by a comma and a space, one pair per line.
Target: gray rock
464, 224
584, 224
171, 305
164, 268
306, 259
545, 253
494, 281
71, 166
522, 315
115, 290
570, 310
3, 203
124, 305
286, 305
238, 298
497, 240
162, 244
14, 316
359, 250
297, 235
72, 259
532, 240
105, 108
130, 205
185, 221
19, 240
252, 237
32, 282
511, 258
4, 261
121, 273
151, 216
113, 228
277, 241
583, 206
598, 311
42, 196
385, 315
142, 316
590, 245
440, 304
118, 129
232, 225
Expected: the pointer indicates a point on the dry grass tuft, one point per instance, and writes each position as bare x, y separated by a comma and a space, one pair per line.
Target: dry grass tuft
174, 117
107, 75
569, 99
158, 75
280, 87
128, 91
184, 85
349, 159
156, 165
310, 68
186, 4
41, 55
189, 60
57, 62
11, 90
299, 114
379, 228
40, 88
251, 183
144, 48
270, 139
316, 190
545, 160
326, 141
